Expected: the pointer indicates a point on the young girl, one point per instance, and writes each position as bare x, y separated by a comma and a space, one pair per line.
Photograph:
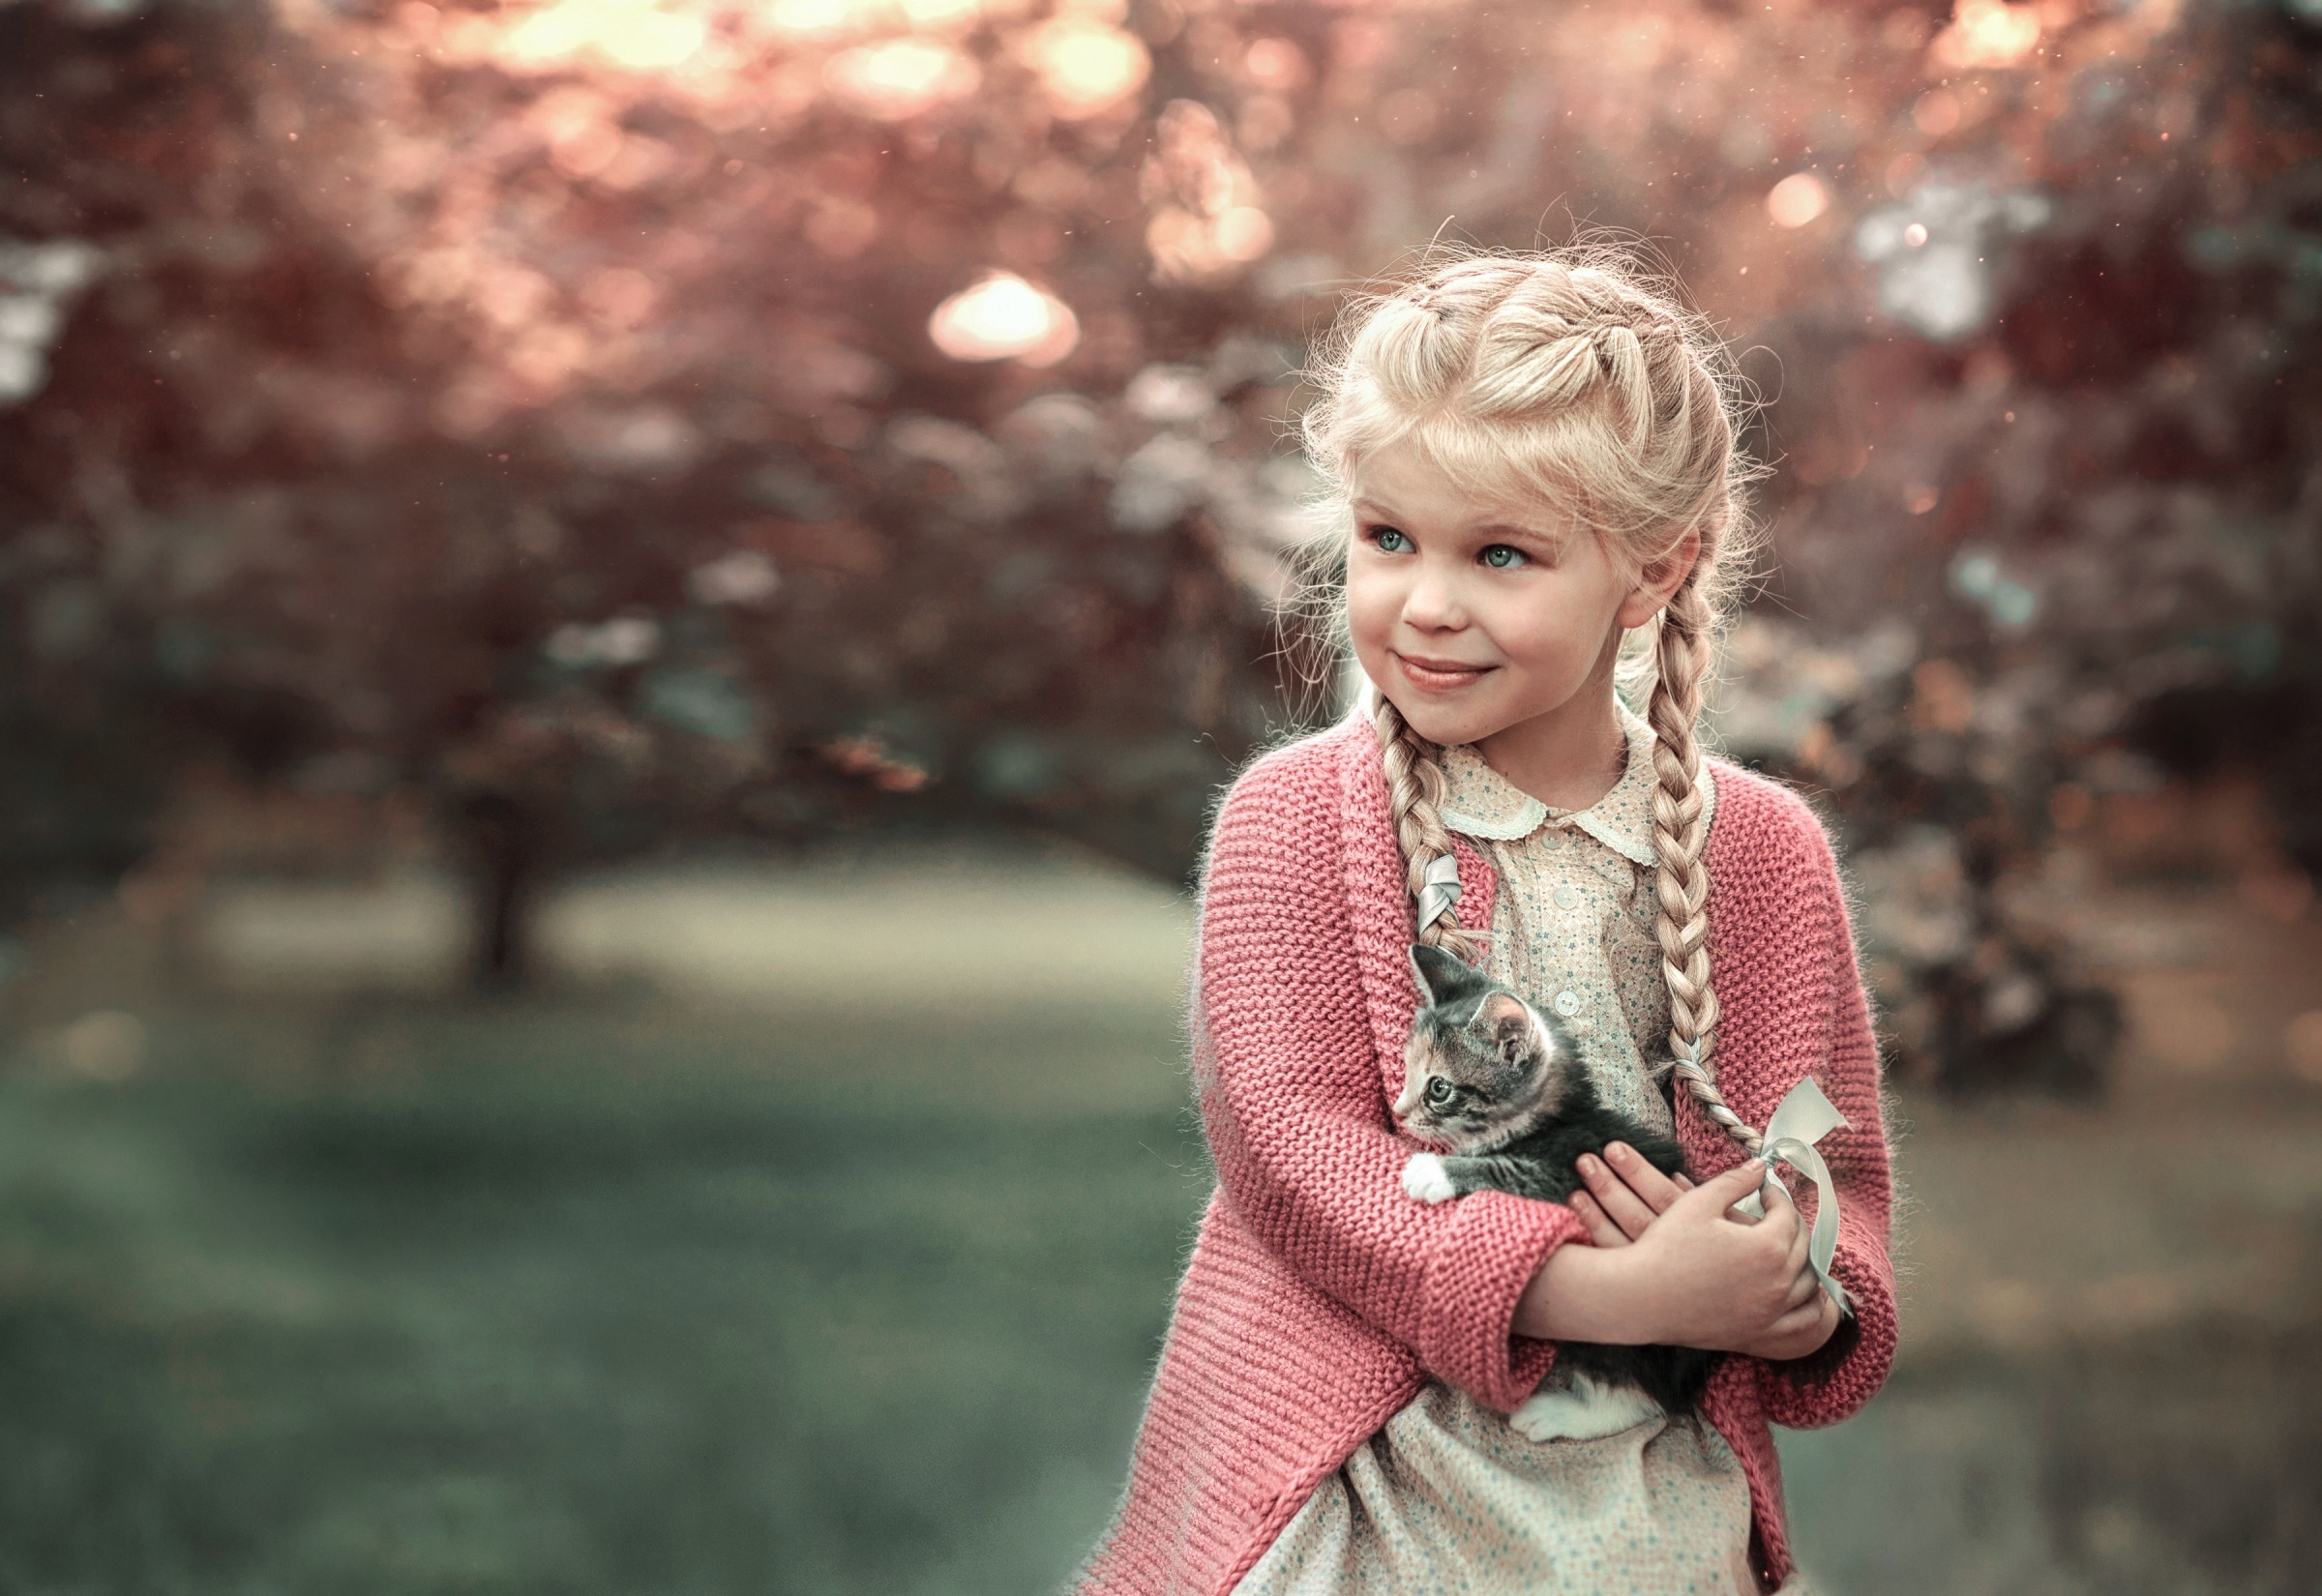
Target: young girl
1539, 462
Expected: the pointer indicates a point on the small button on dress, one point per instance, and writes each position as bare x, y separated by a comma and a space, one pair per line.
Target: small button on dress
1567, 1003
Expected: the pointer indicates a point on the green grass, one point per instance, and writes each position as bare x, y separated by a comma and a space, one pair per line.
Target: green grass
582, 1298
860, 1293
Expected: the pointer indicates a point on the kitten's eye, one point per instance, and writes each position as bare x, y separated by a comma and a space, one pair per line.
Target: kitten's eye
1390, 539
1501, 557
1439, 1091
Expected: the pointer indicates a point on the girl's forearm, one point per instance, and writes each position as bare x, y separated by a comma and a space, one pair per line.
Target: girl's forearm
1586, 1293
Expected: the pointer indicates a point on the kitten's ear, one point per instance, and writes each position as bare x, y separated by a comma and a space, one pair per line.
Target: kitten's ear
1442, 977
1505, 1020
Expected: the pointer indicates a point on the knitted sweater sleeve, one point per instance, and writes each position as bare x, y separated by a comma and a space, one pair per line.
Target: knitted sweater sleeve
1834, 1383
1294, 1100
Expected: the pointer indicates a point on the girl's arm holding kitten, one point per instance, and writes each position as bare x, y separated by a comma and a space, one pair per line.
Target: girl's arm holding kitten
1672, 1266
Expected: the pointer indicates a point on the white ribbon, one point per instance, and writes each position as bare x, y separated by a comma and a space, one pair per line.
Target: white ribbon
1441, 891
1804, 1117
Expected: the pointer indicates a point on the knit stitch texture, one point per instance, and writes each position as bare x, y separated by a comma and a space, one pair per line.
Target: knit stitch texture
1319, 1297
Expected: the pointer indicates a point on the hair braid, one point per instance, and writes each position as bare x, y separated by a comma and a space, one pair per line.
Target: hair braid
1680, 835
1414, 798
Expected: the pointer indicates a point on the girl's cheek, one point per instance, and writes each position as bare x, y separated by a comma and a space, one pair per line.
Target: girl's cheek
1371, 608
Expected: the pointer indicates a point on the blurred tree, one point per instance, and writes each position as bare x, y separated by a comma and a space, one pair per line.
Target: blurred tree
627, 416
594, 557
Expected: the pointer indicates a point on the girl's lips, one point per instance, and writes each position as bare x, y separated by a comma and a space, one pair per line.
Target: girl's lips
1439, 675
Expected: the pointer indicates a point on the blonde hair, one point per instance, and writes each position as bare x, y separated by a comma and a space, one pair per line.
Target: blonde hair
1572, 378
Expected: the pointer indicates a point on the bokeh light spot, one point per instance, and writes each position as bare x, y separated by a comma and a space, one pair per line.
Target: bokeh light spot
898, 78
1277, 65
1797, 199
1986, 33
811, 17
738, 576
1243, 233
942, 13
1003, 316
1936, 112
1086, 65
627, 32
108, 1045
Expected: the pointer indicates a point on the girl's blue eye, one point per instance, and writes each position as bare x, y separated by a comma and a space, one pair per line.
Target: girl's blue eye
1499, 558
1389, 541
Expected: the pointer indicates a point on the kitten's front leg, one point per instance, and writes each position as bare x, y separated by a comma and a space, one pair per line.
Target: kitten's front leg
1431, 1178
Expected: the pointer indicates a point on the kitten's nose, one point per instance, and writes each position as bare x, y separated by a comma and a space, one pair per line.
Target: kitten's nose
1409, 1101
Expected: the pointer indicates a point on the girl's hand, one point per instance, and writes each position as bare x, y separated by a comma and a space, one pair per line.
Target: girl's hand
1799, 1331
1693, 1276
1729, 1284
1624, 1195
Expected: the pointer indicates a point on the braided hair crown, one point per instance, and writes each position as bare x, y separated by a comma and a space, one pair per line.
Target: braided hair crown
1574, 377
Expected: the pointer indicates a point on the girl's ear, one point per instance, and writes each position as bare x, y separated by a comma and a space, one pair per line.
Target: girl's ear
1659, 581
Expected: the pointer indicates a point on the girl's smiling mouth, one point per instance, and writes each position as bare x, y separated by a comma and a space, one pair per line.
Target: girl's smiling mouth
1439, 675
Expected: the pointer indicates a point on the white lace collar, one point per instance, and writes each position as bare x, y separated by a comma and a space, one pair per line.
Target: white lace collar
1485, 805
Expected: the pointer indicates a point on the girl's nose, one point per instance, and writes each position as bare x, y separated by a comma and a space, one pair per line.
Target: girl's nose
1433, 604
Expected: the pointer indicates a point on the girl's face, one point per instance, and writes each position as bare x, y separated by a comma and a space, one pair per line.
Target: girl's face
1474, 621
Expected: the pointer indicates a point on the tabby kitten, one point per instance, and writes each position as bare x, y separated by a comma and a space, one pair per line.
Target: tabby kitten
1499, 1086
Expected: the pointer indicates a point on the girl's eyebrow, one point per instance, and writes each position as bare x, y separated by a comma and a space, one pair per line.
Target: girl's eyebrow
1551, 543
1511, 529
1375, 511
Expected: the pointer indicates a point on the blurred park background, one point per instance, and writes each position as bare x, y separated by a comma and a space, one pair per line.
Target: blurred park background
620, 617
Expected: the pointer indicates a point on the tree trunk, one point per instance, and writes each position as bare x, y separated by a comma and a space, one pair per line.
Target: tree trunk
503, 844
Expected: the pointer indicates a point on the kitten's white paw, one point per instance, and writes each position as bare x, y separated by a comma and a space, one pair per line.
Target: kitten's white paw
1585, 1412
1424, 1177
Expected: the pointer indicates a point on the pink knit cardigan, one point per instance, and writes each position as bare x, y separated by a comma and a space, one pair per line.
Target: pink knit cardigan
1319, 1297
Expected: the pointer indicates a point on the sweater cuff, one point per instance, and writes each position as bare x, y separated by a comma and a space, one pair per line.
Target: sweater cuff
1495, 1245
1835, 1381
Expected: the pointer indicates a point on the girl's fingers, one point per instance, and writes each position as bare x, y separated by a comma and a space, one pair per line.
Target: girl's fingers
1621, 1205
1731, 1187
1781, 1212
1792, 1339
1803, 1288
1656, 1188
1602, 1231
1797, 1328
1714, 1197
